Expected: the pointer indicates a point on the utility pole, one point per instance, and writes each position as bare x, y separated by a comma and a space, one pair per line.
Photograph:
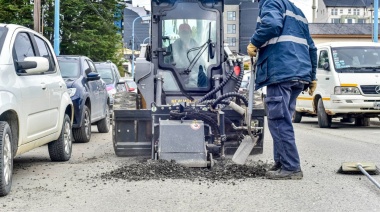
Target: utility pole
376, 21
314, 7
37, 16
56, 27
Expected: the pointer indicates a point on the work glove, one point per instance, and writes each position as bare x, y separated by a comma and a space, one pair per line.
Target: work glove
312, 87
251, 50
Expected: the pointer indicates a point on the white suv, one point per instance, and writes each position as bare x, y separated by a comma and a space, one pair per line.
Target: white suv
35, 107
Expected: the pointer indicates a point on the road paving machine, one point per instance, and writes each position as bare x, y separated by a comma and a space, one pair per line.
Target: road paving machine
187, 107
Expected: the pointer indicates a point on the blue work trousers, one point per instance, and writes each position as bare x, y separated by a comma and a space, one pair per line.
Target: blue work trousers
281, 103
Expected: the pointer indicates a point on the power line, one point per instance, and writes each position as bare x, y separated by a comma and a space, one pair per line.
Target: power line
97, 12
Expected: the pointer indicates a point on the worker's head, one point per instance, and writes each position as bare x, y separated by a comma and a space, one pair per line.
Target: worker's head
184, 32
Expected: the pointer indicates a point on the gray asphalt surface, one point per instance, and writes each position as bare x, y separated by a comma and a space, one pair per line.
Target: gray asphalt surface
41, 185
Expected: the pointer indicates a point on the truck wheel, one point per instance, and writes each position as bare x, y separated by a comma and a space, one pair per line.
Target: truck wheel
297, 117
362, 122
6, 158
60, 149
83, 134
104, 124
324, 120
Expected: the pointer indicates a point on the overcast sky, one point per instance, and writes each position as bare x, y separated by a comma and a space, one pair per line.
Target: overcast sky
304, 5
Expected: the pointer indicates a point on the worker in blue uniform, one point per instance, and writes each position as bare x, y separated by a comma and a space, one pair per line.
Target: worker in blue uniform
286, 64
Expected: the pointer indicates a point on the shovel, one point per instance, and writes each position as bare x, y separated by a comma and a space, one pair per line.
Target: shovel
249, 140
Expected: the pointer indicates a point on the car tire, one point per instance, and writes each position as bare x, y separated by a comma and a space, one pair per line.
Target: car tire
60, 149
297, 117
364, 122
324, 120
83, 134
6, 158
104, 124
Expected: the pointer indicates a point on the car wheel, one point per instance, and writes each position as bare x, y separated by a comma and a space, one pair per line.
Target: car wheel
364, 122
60, 149
104, 124
6, 158
297, 117
83, 134
324, 120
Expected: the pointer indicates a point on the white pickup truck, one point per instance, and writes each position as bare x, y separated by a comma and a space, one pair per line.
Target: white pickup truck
348, 86
35, 108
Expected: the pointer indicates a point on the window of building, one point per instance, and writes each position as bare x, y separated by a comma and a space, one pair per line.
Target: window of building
361, 21
335, 20
349, 21
349, 11
231, 28
334, 11
341, 11
231, 41
356, 11
231, 16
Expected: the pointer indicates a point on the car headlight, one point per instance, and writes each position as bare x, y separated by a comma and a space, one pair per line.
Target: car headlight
346, 90
71, 91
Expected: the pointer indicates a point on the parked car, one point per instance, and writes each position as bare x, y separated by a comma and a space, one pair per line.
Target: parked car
35, 107
89, 95
348, 86
131, 85
110, 74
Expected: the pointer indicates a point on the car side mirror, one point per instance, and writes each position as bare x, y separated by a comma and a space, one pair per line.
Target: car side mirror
326, 66
93, 76
33, 65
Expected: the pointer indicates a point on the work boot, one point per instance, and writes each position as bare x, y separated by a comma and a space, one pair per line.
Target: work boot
282, 174
275, 167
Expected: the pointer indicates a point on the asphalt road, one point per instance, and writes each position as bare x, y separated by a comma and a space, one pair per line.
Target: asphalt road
41, 185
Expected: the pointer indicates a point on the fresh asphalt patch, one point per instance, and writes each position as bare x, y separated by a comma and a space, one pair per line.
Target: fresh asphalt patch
224, 170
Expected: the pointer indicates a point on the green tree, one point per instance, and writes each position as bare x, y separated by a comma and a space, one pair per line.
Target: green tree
16, 12
86, 26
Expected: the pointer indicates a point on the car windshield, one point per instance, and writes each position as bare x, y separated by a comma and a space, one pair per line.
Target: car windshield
356, 59
3, 32
69, 67
106, 75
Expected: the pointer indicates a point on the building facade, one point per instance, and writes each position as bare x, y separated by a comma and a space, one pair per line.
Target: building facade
231, 26
239, 18
344, 11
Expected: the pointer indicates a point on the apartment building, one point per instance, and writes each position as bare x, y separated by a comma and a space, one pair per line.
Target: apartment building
240, 18
344, 11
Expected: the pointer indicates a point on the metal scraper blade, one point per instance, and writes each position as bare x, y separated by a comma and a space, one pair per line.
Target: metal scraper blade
244, 150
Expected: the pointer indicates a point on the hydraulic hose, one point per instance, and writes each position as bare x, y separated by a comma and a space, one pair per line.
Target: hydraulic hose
240, 78
228, 95
209, 94
196, 115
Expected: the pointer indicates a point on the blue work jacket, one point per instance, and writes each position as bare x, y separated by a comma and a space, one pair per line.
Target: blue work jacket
286, 50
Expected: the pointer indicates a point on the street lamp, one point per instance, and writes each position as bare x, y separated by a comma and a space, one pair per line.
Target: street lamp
145, 39
133, 44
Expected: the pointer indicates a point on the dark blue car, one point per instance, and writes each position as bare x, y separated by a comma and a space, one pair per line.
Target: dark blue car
89, 95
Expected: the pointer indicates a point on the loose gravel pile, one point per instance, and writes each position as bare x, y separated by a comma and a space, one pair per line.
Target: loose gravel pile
162, 169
